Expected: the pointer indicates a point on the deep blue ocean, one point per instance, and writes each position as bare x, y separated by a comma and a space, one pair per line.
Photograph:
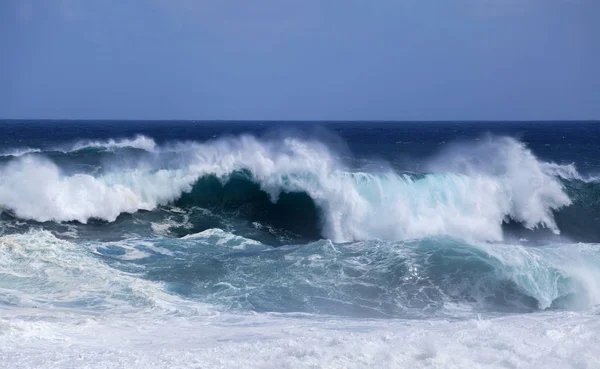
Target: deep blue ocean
284, 244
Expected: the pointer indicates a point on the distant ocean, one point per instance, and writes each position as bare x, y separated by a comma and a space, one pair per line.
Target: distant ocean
147, 244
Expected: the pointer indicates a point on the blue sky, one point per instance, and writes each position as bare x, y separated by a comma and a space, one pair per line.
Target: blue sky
300, 59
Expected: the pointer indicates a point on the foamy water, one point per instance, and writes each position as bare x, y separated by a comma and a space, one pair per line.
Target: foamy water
279, 252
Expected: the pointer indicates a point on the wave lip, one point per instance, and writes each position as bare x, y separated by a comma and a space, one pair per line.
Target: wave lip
139, 142
19, 152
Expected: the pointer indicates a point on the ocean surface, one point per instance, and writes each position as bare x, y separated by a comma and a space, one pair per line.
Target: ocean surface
299, 245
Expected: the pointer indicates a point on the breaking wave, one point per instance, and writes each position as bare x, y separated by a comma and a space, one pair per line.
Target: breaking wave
469, 191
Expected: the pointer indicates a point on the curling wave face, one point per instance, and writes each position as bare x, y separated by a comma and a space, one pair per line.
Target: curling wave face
468, 191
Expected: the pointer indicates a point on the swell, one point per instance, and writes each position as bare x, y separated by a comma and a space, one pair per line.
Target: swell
472, 191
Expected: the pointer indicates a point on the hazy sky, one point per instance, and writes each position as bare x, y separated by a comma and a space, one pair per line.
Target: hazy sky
300, 59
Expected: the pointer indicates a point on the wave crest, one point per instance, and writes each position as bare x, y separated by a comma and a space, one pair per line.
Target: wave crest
138, 142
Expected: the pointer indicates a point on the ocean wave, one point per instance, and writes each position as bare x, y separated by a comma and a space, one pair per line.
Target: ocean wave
15, 152
469, 191
378, 279
139, 142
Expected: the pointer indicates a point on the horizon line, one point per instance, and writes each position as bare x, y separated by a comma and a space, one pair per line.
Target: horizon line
305, 121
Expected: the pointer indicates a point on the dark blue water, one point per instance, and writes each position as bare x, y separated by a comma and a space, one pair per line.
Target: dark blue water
375, 219
562, 142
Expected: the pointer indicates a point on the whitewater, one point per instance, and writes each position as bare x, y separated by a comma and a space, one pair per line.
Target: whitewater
435, 246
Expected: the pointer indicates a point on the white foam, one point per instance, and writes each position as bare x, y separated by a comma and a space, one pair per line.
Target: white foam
60, 307
19, 151
132, 249
39, 270
477, 187
548, 340
219, 237
163, 228
138, 142
35, 188
549, 272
